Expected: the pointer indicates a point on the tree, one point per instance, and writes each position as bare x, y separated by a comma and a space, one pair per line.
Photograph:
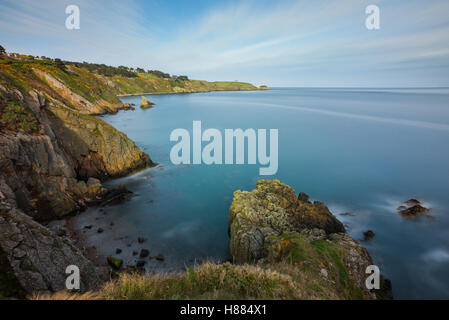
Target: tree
59, 64
2, 50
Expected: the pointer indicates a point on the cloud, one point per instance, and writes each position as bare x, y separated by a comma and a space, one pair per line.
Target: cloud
289, 42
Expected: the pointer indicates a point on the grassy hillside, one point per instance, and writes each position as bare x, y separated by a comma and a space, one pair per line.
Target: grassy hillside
59, 80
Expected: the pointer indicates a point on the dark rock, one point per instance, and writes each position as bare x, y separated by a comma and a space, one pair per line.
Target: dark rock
413, 211
144, 253
140, 263
127, 106
135, 253
160, 257
347, 214
303, 197
368, 235
385, 291
37, 256
115, 263
140, 240
88, 227
100, 230
112, 197
118, 251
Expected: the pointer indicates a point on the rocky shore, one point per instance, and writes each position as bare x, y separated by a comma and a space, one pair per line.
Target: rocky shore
272, 226
53, 159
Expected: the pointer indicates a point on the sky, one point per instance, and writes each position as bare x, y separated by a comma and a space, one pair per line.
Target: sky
320, 43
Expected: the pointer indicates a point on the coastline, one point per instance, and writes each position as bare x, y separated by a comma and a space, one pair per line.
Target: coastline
187, 92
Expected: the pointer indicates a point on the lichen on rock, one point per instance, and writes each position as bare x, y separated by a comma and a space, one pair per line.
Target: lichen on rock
271, 225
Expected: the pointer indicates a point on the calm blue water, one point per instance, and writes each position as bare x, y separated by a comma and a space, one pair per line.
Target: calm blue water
359, 151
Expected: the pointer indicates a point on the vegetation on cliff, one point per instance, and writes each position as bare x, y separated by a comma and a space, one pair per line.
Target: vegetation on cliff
98, 85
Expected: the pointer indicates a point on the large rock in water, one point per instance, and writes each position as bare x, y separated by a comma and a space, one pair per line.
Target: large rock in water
37, 256
145, 103
271, 225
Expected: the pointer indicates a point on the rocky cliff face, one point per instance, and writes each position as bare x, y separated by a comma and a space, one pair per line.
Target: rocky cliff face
52, 155
48, 169
37, 256
271, 225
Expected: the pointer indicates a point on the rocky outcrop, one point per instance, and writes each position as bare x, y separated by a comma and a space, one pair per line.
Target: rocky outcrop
271, 225
412, 208
273, 208
146, 104
98, 149
50, 170
38, 257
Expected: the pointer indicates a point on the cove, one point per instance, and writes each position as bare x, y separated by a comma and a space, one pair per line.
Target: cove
360, 151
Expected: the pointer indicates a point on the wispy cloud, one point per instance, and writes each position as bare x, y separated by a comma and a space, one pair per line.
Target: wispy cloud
321, 42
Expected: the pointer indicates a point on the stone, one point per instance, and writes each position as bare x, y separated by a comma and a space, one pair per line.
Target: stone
144, 253
413, 211
368, 235
145, 103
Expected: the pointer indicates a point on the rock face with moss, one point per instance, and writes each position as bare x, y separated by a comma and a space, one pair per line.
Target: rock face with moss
49, 166
271, 225
38, 258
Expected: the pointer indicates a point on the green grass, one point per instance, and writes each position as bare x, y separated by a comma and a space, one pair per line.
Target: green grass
17, 116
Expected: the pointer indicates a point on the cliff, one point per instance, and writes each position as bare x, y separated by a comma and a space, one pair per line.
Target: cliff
53, 156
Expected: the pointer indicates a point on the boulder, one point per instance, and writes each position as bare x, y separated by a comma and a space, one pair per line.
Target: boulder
127, 106
368, 235
412, 208
144, 253
145, 103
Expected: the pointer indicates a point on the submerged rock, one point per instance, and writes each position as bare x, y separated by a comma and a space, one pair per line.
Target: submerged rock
368, 235
412, 208
414, 211
127, 106
160, 257
144, 253
145, 103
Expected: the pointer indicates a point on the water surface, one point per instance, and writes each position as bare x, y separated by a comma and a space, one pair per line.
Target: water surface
361, 151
